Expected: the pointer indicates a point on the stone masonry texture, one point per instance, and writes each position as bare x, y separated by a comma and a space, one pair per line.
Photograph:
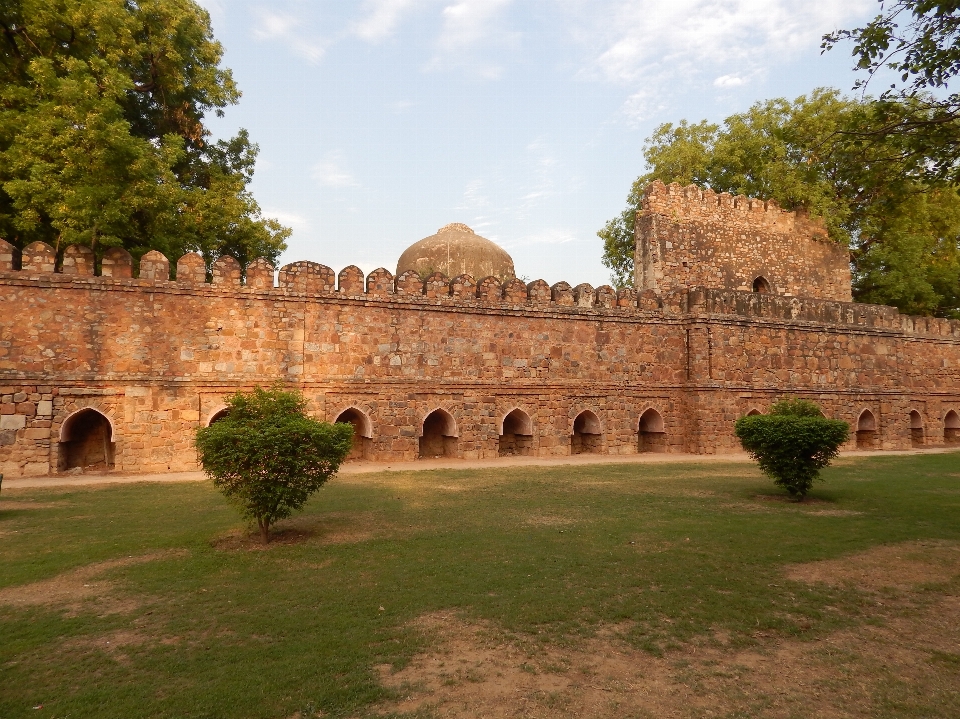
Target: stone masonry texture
156, 357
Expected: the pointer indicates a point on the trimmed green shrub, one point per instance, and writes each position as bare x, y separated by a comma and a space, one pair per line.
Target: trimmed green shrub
792, 443
268, 457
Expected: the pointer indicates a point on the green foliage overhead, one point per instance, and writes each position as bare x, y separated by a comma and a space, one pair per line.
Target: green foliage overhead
903, 231
792, 443
268, 457
102, 141
919, 41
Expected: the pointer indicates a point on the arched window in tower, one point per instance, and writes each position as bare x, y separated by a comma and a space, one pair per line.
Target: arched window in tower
761, 285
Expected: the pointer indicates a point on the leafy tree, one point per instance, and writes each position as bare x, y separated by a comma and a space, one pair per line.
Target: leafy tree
792, 443
268, 457
903, 231
917, 43
102, 140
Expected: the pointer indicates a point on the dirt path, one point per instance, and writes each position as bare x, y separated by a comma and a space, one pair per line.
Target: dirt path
425, 465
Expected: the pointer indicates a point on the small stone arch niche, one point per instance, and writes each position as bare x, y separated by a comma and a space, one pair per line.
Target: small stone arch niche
218, 415
762, 286
754, 412
866, 430
951, 428
86, 442
587, 437
651, 434
362, 446
438, 435
516, 435
916, 429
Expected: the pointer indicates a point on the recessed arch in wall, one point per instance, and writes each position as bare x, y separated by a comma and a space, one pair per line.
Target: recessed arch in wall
439, 435
86, 441
218, 415
754, 412
916, 428
651, 432
362, 432
587, 434
867, 430
515, 434
951, 428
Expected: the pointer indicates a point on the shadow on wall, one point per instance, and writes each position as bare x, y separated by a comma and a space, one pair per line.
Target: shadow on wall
86, 441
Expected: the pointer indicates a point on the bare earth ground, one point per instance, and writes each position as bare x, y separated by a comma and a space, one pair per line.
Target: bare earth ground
907, 650
365, 467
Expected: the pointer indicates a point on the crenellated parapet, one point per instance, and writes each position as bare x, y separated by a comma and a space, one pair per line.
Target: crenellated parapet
313, 280
695, 204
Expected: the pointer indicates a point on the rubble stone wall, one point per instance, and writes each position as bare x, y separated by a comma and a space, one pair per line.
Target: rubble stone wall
156, 358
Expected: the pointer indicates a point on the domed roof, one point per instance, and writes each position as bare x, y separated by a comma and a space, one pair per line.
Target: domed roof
457, 250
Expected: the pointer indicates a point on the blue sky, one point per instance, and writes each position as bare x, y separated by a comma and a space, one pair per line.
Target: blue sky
380, 121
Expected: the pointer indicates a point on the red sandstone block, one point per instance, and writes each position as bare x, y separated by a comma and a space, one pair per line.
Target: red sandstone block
27, 408
8, 409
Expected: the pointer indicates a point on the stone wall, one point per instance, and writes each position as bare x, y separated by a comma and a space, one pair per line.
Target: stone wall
156, 357
688, 237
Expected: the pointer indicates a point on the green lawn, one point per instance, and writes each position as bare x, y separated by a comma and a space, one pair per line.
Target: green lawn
207, 624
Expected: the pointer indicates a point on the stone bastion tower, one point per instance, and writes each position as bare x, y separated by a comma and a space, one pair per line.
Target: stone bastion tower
108, 363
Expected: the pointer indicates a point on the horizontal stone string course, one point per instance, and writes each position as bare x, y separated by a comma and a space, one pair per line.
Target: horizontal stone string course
311, 278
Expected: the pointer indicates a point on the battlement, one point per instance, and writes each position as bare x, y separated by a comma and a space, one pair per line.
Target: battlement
306, 279
693, 204
689, 237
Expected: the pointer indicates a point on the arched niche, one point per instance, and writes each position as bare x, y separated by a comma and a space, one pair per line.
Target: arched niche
438, 435
951, 428
866, 430
762, 286
754, 412
218, 415
916, 429
86, 441
587, 436
362, 432
516, 434
651, 434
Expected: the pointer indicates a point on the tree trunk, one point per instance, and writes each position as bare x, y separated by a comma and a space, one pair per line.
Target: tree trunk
264, 524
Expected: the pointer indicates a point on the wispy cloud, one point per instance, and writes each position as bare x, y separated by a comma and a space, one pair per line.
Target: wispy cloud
655, 43
329, 172
467, 26
297, 222
276, 26
382, 17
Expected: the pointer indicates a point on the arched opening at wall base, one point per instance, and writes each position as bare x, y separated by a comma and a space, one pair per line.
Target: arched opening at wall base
218, 415
916, 429
651, 436
86, 442
516, 436
951, 429
439, 436
867, 430
761, 286
587, 437
362, 447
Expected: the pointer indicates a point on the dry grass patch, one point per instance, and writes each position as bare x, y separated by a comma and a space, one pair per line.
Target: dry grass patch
70, 591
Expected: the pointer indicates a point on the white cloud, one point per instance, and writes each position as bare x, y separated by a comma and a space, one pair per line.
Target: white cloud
382, 18
330, 173
298, 223
728, 81
550, 236
285, 28
663, 46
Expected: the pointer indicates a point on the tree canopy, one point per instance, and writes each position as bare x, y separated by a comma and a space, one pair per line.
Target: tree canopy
918, 43
102, 136
902, 227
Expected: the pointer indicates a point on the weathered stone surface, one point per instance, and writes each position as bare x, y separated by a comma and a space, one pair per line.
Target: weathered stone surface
38, 257
226, 272
191, 269
259, 275
78, 260
116, 263
154, 266
456, 250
